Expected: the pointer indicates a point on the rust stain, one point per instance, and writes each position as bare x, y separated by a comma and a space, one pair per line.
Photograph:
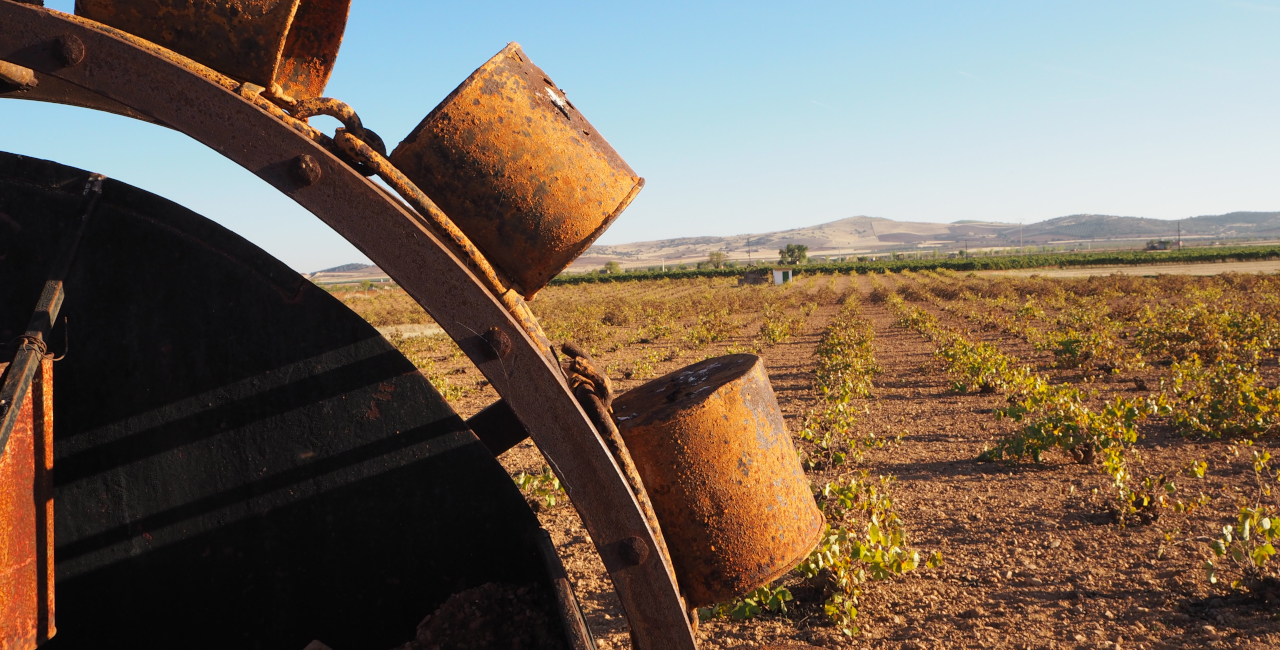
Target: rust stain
440, 223
286, 46
715, 456
519, 169
26, 521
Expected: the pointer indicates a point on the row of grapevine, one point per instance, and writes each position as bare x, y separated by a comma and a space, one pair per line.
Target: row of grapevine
1007, 262
1214, 338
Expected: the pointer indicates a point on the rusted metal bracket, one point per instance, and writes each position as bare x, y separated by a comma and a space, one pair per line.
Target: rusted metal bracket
167, 89
33, 343
26, 479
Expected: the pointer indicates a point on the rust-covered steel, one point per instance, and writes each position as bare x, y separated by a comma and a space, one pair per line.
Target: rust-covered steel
233, 119
714, 453
26, 456
26, 513
286, 46
443, 226
519, 169
17, 75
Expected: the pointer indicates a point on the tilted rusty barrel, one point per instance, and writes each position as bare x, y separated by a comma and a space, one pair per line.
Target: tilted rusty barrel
515, 165
717, 461
286, 46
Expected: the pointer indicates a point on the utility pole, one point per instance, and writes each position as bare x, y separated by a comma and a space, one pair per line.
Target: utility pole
749, 263
1179, 234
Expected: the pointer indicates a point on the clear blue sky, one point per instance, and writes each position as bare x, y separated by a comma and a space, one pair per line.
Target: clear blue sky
751, 116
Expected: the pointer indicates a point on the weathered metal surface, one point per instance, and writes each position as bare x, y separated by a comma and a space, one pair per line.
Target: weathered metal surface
498, 428
342, 112
286, 46
56, 91
272, 470
26, 444
519, 169
711, 445
26, 517
263, 139
16, 75
603, 421
444, 227
575, 624
32, 344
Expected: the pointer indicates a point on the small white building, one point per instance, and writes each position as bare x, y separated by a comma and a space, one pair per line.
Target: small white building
781, 276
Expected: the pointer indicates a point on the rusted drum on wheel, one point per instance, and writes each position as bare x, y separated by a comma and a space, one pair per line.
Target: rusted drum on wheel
715, 456
518, 168
285, 46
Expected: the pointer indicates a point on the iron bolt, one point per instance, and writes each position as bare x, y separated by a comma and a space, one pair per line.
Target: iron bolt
633, 551
499, 343
305, 170
69, 50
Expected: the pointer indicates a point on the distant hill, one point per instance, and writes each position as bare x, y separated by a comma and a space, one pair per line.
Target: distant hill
871, 235
347, 268
349, 273
874, 235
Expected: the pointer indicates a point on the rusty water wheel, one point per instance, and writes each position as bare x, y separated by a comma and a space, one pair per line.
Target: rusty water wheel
240, 460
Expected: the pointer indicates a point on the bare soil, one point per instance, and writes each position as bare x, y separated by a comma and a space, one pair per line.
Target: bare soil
1033, 558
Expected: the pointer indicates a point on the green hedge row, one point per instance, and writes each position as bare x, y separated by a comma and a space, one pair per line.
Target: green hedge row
1003, 262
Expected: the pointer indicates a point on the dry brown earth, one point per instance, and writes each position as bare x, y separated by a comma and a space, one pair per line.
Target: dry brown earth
1033, 559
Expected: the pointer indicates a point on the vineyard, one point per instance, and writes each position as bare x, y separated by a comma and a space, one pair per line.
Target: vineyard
1003, 462
985, 261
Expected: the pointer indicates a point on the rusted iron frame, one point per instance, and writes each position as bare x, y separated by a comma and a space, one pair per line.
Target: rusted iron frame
575, 624
28, 610
443, 226
31, 350
287, 47
204, 105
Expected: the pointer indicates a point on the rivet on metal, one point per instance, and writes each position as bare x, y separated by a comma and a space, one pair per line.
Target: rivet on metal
499, 343
69, 50
305, 170
633, 551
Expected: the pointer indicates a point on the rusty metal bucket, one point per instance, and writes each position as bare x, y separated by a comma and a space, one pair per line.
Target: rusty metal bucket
510, 159
715, 456
286, 46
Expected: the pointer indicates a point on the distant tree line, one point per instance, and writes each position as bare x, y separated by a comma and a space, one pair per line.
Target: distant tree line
958, 263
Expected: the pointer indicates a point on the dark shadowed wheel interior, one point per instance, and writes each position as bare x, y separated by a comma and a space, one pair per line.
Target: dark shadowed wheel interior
240, 460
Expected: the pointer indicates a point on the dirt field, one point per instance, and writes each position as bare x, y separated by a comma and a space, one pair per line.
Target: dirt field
1035, 554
